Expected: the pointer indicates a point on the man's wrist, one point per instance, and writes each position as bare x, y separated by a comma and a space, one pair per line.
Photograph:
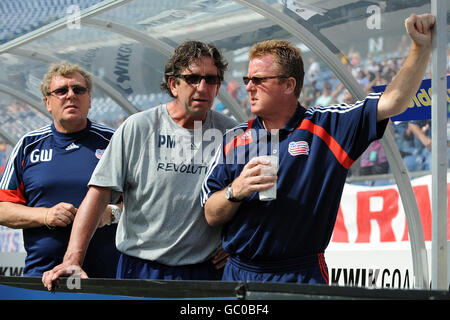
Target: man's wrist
74, 258
115, 214
229, 194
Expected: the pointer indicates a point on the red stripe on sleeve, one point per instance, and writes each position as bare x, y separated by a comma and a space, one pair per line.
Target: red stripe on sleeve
15, 196
340, 154
240, 140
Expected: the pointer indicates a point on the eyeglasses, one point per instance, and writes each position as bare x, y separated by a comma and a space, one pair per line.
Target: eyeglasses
61, 92
259, 80
196, 78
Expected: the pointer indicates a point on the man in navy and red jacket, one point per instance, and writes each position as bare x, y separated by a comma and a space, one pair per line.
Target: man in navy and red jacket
284, 240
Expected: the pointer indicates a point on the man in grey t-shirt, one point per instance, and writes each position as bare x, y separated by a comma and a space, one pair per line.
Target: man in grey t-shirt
157, 160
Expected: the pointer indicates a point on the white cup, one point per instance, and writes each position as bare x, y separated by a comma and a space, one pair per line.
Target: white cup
269, 194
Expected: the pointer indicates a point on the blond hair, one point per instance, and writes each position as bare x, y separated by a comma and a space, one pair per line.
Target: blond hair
287, 57
64, 69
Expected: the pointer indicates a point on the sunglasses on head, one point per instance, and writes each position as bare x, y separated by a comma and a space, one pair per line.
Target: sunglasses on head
196, 78
61, 92
259, 80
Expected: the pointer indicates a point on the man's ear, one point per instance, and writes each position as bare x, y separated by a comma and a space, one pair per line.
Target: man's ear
173, 82
90, 100
218, 89
290, 85
47, 104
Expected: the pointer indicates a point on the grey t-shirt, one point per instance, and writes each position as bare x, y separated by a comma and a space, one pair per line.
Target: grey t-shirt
159, 167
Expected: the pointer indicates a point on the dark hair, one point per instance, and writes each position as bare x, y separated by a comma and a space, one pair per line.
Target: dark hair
184, 54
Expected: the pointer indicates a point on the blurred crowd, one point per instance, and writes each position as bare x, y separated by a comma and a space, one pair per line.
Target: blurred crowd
3, 157
321, 87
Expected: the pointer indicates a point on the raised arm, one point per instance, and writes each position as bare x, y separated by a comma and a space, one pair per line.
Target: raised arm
399, 92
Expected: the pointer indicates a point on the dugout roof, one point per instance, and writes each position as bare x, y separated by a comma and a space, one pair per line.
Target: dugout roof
125, 44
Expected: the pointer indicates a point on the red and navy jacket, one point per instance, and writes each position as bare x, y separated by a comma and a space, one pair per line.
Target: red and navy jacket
47, 167
316, 148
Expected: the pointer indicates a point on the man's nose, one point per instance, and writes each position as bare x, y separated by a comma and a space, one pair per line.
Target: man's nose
70, 92
250, 86
202, 85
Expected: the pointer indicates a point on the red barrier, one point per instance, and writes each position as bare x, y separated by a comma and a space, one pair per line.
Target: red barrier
388, 208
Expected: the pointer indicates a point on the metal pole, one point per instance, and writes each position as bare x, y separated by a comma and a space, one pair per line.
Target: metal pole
439, 147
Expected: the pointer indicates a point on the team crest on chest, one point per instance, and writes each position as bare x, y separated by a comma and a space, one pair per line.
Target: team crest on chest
296, 148
99, 153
